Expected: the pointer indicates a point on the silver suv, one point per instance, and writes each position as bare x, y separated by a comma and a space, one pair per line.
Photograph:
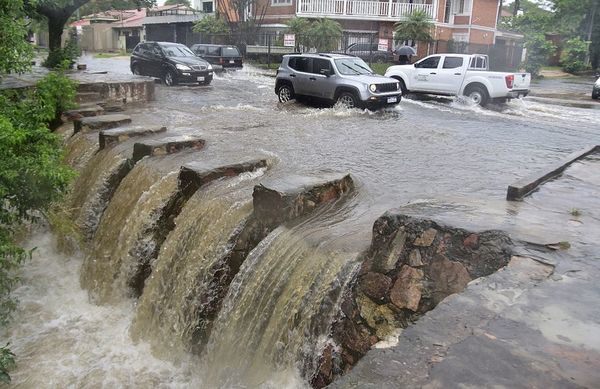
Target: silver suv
338, 78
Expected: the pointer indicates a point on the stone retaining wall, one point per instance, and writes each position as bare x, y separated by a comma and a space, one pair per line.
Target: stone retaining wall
411, 266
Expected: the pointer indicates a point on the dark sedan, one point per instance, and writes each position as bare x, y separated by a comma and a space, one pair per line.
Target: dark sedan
172, 62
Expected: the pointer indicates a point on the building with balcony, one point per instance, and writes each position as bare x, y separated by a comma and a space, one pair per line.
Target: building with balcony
462, 21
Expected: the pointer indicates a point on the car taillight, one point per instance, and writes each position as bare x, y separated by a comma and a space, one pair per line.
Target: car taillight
221, 61
510, 81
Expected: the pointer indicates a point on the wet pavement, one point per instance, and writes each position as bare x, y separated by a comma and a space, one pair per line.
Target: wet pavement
444, 159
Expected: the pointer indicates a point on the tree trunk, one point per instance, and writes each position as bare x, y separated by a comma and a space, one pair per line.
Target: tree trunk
55, 31
517, 6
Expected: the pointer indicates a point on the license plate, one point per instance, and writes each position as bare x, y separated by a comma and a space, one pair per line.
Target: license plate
231, 61
392, 99
200, 78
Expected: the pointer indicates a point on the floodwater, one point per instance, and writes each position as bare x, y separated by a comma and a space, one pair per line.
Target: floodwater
424, 152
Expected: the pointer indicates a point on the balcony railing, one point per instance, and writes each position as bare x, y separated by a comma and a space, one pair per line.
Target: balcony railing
361, 9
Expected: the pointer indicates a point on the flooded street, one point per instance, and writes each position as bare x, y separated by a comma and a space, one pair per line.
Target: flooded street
439, 157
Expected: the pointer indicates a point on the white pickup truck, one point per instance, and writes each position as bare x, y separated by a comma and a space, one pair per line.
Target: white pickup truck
460, 74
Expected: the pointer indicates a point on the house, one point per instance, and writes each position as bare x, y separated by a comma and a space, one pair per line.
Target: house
110, 30
171, 23
471, 22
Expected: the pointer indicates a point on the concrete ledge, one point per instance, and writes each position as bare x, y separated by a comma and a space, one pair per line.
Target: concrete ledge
126, 91
109, 138
196, 174
286, 199
102, 122
528, 184
85, 111
165, 146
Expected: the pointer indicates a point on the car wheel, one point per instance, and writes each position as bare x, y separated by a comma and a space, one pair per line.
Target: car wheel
136, 70
595, 95
170, 78
347, 99
477, 95
205, 83
285, 93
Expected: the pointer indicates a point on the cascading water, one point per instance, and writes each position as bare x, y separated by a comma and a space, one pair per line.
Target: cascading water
93, 188
167, 314
132, 209
277, 313
79, 149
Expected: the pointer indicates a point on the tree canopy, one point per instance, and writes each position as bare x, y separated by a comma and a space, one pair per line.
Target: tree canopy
416, 27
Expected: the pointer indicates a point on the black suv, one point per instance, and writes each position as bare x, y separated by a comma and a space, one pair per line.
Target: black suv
224, 55
369, 52
172, 62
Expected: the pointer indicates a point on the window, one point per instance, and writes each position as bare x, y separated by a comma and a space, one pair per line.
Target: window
200, 49
212, 50
478, 63
430, 63
231, 51
461, 6
281, 2
301, 64
320, 64
452, 62
207, 7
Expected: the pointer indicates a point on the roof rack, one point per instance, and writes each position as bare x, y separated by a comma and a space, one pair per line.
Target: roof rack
324, 55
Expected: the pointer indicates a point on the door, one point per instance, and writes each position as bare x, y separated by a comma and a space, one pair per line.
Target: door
451, 74
319, 84
426, 78
302, 72
155, 61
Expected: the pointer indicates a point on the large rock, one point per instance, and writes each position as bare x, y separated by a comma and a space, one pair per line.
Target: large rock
101, 122
165, 146
376, 286
448, 277
406, 292
109, 138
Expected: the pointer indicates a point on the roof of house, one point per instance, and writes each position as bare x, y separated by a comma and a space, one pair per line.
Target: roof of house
125, 18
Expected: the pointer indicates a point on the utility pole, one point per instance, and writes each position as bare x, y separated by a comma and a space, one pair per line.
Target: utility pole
517, 6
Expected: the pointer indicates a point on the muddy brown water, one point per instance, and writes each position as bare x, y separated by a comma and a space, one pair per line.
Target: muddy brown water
424, 152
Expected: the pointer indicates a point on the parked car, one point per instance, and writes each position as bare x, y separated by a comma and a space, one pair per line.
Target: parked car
596, 90
370, 52
460, 74
224, 55
172, 62
337, 78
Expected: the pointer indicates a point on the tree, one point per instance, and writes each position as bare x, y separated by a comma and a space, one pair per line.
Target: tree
580, 19
15, 53
96, 6
417, 27
211, 25
244, 17
58, 12
320, 34
175, 2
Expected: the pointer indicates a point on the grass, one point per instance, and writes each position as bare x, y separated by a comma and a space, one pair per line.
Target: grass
380, 68
111, 55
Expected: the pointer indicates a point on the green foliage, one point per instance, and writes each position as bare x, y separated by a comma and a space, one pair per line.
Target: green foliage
66, 56
7, 362
321, 34
211, 25
15, 53
538, 51
417, 27
573, 58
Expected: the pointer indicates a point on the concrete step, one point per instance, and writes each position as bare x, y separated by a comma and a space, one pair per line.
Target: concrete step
166, 146
108, 138
101, 122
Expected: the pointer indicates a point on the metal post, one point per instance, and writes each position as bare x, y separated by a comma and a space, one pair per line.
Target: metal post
269, 51
371, 49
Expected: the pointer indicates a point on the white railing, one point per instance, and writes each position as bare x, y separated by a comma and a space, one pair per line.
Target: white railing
361, 8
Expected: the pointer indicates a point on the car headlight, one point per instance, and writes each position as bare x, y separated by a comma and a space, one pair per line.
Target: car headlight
183, 67
373, 87
209, 67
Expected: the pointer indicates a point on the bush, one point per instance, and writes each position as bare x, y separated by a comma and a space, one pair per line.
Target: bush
66, 56
32, 175
538, 51
573, 58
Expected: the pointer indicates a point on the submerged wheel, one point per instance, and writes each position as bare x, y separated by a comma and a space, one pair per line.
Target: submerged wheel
170, 79
136, 70
285, 93
477, 95
347, 99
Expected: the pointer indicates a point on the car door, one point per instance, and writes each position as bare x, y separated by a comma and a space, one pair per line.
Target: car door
301, 75
451, 74
155, 60
321, 83
426, 78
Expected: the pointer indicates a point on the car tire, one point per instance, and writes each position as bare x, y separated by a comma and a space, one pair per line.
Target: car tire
595, 95
136, 70
285, 93
205, 83
478, 95
347, 100
170, 79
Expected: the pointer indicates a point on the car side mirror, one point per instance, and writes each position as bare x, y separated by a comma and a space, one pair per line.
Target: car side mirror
326, 72
416, 65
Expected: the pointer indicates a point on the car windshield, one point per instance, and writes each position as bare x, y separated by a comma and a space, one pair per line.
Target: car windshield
352, 66
230, 52
177, 51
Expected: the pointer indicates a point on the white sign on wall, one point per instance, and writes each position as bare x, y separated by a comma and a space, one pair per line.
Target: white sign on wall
383, 45
289, 40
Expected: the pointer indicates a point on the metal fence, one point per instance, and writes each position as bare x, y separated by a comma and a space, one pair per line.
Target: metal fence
269, 48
